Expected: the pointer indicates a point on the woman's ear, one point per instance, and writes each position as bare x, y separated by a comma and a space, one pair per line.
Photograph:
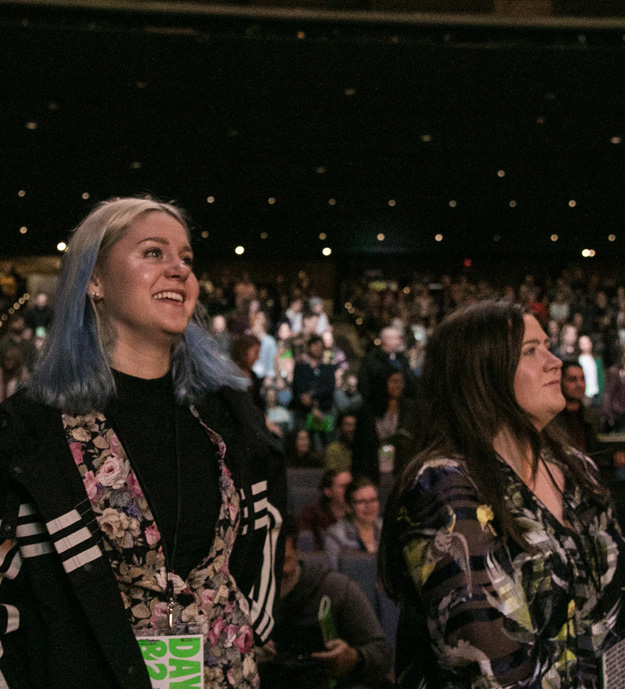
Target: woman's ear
95, 288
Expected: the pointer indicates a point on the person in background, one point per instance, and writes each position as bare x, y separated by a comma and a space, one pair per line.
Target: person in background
302, 454
338, 454
264, 365
313, 392
386, 429
315, 304
333, 354
245, 352
330, 507
13, 373
296, 656
219, 331
347, 398
613, 404
376, 362
360, 529
140, 494
593, 370
18, 335
279, 419
39, 316
499, 543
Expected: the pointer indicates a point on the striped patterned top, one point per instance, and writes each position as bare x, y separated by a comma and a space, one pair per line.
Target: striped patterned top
478, 611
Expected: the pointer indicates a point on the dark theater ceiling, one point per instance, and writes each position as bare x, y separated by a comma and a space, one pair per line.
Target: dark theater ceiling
275, 127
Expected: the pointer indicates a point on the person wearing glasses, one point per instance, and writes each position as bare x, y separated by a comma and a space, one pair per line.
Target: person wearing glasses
360, 529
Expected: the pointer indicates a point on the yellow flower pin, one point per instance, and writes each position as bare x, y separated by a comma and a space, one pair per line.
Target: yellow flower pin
484, 516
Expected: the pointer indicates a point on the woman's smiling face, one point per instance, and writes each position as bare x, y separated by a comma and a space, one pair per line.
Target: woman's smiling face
146, 286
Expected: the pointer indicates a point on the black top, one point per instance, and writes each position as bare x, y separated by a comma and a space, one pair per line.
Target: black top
160, 435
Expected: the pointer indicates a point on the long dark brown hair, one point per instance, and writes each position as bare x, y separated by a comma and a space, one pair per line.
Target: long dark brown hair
468, 380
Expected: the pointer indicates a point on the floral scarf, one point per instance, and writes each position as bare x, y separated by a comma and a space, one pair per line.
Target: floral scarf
209, 601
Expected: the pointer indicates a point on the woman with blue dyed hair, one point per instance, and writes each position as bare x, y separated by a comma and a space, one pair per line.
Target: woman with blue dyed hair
140, 495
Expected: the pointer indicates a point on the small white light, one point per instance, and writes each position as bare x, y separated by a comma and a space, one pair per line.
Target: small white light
452, 204
136, 165
611, 237
572, 203
23, 229
326, 251
501, 173
210, 199
381, 237
348, 305
512, 204
21, 193
61, 246
322, 236
438, 237
406, 290
271, 200
359, 321
377, 342
239, 250
350, 92
204, 234
586, 253
591, 252
426, 138
321, 170
332, 202
31, 125
301, 35
85, 195
616, 140
263, 235
554, 237
392, 203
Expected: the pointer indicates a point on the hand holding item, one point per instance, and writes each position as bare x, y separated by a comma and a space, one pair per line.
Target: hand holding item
339, 659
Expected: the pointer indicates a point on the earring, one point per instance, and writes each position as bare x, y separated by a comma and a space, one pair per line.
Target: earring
95, 295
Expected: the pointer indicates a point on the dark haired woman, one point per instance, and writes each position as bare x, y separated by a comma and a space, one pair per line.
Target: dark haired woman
135, 491
498, 543
360, 529
386, 428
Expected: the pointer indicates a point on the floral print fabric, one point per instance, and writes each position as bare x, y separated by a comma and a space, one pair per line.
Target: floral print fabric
208, 602
479, 611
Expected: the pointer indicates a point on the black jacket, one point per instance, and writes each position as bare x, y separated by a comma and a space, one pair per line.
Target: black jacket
62, 621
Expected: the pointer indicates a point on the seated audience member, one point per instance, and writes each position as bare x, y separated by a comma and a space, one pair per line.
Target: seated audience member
376, 362
347, 398
315, 304
245, 352
219, 331
332, 354
613, 403
39, 316
330, 507
19, 336
582, 423
338, 454
360, 529
264, 366
301, 453
284, 363
567, 350
296, 656
313, 391
593, 370
12, 372
385, 430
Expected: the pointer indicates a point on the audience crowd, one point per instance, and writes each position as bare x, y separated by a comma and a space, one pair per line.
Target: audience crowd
339, 387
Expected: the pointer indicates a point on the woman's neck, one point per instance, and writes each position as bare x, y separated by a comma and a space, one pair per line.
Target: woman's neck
508, 447
152, 361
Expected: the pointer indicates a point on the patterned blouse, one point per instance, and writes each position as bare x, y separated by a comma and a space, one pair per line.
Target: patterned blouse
208, 602
478, 611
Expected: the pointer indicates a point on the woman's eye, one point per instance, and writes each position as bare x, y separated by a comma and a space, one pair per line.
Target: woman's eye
530, 351
155, 252
188, 260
